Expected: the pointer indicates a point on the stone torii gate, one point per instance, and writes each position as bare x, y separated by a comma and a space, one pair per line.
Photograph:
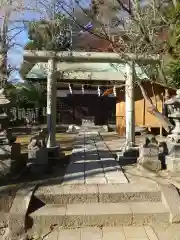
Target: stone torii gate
92, 57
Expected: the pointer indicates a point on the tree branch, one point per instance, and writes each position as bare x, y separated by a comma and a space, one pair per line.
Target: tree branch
154, 111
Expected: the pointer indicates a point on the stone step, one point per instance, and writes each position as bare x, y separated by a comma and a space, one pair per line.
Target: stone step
103, 193
99, 215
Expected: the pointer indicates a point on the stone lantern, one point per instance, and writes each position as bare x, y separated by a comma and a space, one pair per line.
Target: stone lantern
174, 104
173, 139
10, 157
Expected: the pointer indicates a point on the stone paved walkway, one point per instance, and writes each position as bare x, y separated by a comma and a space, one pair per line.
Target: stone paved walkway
106, 233
92, 162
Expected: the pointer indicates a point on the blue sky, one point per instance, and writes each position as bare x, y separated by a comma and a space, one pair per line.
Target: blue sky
17, 39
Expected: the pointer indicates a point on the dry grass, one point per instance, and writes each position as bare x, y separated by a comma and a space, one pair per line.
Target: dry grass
65, 140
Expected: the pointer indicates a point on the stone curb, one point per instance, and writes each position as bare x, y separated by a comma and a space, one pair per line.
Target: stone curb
18, 212
171, 200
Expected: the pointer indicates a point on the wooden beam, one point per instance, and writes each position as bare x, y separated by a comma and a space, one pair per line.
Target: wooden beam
88, 56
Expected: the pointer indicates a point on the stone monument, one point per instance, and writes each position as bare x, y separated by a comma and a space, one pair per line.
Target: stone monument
149, 155
38, 153
10, 152
88, 121
173, 139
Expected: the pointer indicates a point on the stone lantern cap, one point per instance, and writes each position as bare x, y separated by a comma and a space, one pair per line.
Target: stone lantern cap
178, 92
3, 99
175, 100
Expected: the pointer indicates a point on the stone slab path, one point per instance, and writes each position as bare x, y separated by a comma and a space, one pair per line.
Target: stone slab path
105, 233
92, 162
157, 232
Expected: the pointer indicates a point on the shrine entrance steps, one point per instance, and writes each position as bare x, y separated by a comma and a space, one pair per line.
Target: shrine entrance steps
96, 193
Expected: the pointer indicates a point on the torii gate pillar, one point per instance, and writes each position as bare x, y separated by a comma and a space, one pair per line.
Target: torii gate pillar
51, 104
130, 105
53, 148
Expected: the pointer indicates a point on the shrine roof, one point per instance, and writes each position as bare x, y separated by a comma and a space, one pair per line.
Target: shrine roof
116, 71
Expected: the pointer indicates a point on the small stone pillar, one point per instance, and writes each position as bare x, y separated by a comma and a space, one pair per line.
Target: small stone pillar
37, 153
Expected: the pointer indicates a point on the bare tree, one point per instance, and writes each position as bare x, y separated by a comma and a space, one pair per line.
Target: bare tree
12, 24
122, 26
7, 8
139, 27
